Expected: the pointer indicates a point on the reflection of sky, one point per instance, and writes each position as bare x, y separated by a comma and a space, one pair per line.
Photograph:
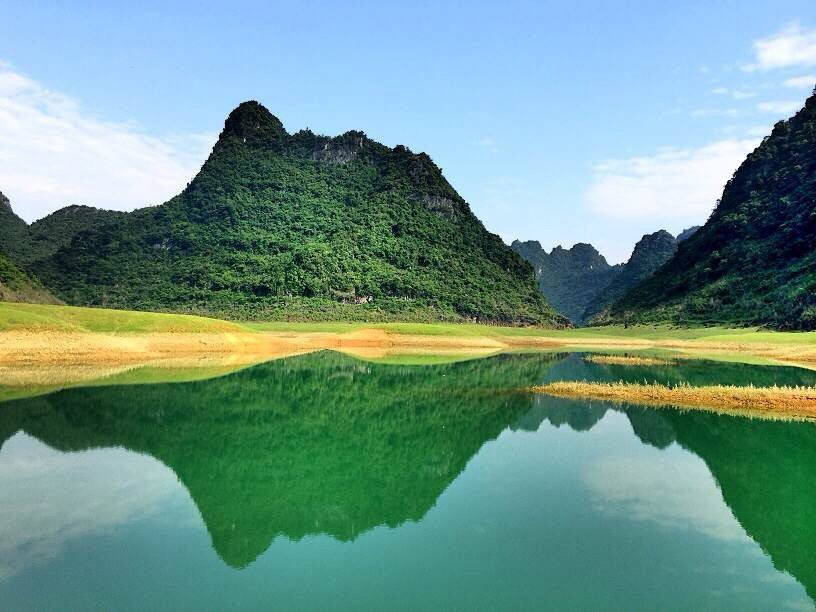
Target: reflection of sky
674, 490
677, 492
40, 514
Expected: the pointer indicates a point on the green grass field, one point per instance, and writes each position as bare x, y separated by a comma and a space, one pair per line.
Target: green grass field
39, 317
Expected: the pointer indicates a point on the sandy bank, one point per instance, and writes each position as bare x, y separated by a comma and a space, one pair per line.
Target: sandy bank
53, 347
25, 347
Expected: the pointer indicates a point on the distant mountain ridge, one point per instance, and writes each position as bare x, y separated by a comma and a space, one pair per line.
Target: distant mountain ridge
27, 243
649, 254
305, 226
754, 261
569, 278
580, 283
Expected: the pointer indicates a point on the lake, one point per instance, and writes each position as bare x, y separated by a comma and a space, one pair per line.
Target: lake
323, 481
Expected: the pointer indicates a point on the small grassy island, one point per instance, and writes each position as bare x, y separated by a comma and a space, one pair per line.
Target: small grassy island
763, 402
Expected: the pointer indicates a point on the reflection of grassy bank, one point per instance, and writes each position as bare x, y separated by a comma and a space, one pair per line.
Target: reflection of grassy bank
626, 360
771, 402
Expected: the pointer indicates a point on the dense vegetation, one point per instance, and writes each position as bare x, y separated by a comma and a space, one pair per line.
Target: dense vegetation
651, 252
754, 261
569, 279
305, 227
13, 230
579, 282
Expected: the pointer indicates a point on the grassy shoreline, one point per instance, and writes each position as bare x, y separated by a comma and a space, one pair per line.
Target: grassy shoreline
34, 332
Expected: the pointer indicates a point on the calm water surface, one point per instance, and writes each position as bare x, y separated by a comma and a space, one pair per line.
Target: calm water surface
325, 482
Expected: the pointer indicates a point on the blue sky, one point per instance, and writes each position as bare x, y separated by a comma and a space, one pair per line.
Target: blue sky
561, 122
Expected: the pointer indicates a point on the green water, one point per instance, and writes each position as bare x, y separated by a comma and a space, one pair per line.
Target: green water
324, 482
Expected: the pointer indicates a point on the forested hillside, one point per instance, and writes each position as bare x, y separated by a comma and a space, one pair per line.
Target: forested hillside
303, 226
17, 286
28, 243
651, 252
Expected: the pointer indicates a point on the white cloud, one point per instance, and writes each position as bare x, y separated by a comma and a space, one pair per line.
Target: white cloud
736, 94
716, 112
742, 95
803, 82
793, 46
674, 185
779, 107
52, 153
758, 131
489, 144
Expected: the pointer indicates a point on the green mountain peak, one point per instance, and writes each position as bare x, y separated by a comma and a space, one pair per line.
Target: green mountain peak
650, 253
252, 123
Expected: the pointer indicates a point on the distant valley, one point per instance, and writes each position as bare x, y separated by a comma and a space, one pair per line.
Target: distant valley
580, 283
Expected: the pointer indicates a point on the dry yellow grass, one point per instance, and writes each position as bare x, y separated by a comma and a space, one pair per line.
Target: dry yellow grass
626, 360
765, 402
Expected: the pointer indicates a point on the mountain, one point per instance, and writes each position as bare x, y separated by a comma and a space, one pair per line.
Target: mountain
17, 286
304, 226
49, 234
569, 279
13, 230
649, 254
26, 244
753, 262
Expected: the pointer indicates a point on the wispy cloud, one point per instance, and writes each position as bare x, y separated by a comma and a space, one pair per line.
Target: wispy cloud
736, 94
676, 492
673, 185
716, 112
53, 153
488, 144
758, 131
792, 46
803, 82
